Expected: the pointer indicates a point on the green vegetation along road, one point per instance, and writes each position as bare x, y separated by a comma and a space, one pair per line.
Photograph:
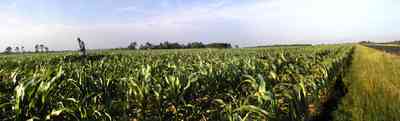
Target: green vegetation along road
373, 86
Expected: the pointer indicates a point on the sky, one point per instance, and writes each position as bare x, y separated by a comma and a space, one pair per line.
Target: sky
116, 23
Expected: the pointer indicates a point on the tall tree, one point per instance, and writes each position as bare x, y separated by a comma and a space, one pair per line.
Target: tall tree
195, 45
8, 49
36, 48
22, 49
219, 45
147, 45
46, 49
17, 49
41, 47
132, 45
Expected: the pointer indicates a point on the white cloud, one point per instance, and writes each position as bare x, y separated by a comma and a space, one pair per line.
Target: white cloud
262, 22
128, 9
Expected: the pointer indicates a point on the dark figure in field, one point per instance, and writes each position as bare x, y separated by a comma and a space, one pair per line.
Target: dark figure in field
82, 47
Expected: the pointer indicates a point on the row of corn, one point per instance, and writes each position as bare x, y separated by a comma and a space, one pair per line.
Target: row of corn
157, 85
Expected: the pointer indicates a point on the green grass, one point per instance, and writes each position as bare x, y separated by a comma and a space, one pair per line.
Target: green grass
373, 87
385, 45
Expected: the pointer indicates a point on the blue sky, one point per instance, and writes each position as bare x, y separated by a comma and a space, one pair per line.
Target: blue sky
115, 23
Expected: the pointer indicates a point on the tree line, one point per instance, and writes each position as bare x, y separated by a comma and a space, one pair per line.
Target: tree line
132, 45
21, 49
175, 45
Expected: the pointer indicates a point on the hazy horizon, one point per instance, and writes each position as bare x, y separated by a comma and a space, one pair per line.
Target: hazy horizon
116, 23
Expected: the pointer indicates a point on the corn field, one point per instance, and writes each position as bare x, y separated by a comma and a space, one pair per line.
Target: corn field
267, 84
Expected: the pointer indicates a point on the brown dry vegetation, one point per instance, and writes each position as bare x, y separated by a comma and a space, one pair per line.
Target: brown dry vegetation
374, 87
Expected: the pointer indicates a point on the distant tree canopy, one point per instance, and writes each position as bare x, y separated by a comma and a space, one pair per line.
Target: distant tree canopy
219, 45
21, 49
366, 42
36, 48
41, 48
196, 45
17, 49
8, 49
175, 45
132, 45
